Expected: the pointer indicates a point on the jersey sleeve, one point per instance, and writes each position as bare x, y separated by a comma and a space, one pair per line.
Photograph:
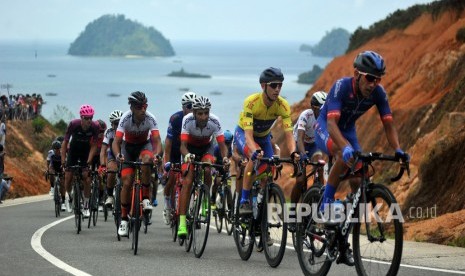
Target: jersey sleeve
218, 130
106, 138
184, 129
381, 101
334, 100
247, 114
285, 112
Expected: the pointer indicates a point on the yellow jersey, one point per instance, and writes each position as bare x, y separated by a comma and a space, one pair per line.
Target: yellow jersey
257, 116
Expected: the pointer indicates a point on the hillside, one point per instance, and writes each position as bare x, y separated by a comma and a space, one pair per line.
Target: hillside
425, 81
114, 35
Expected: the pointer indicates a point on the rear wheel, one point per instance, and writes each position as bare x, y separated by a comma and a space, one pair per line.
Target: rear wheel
274, 229
228, 206
201, 225
378, 237
219, 214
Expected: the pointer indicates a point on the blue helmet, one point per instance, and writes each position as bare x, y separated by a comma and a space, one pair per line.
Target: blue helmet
228, 137
370, 62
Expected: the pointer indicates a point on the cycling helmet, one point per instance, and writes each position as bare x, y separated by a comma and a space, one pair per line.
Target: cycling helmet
318, 98
201, 102
370, 62
60, 139
271, 74
137, 98
86, 110
102, 125
115, 115
56, 144
228, 137
188, 98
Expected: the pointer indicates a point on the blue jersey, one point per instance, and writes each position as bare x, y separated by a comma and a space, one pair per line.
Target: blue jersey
343, 103
219, 159
174, 134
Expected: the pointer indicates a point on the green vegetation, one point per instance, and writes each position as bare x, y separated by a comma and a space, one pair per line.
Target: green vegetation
61, 113
400, 19
334, 43
38, 124
310, 76
458, 242
114, 35
460, 36
183, 74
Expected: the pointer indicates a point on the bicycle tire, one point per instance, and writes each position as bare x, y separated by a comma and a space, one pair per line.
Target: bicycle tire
201, 225
277, 229
243, 234
136, 219
189, 220
228, 210
219, 217
105, 209
174, 223
375, 194
117, 207
57, 196
307, 248
77, 206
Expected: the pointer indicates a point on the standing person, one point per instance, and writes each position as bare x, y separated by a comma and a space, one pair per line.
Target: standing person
252, 135
141, 141
304, 135
81, 136
172, 150
2, 132
198, 129
348, 99
2, 160
107, 158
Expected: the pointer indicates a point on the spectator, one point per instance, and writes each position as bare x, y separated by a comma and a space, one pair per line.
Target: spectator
2, 132
5, 185
2, 160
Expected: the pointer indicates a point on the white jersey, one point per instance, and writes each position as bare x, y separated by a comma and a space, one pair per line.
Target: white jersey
108, 136
306, 122
50, 154
201, 136
137, 134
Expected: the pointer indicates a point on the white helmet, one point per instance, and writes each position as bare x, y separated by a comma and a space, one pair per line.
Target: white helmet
318, 98
201, 102
188, 98
115, 115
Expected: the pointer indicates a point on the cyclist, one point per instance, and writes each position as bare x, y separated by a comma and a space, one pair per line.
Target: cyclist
102, 126
141, 141
107, 158
228, 138
253, 131
172, 150
53, 166
304, 136
348, 99
82, 147
197, 131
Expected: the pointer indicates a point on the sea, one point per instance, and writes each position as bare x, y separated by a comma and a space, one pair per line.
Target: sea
66, 82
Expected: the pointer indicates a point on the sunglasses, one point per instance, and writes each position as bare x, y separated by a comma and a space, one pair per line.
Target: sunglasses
370, 78
187, 106
86, 118
139, 107
275, 85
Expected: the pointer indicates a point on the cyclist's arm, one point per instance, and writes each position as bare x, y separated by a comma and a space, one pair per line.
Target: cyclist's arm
116, 145
250, 142
64, 147
184, 150
223, 149
167, 153
236, 157
391, 133
300, 140
290, 141
339, 141
156, 143
92, 152
103, 154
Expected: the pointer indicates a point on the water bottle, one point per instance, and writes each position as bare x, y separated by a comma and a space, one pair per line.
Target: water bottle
260, 196
254, 206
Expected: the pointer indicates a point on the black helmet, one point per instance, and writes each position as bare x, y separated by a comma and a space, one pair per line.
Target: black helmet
271, 74
370, 62
137, 98
56, 144
60, 139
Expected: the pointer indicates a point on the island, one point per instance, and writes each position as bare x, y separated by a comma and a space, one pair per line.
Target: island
334, 43
114, 35
183, 74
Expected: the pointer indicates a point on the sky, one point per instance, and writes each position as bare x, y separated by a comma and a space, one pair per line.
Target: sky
267, 20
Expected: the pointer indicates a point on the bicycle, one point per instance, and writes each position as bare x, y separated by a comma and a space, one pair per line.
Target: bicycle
136, 215
261, 226
117, 203
93, 200
77, 197
198, 212
223, 204
56, 191
174, 223
319, 245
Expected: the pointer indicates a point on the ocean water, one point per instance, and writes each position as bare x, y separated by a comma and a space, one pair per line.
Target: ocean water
234, 66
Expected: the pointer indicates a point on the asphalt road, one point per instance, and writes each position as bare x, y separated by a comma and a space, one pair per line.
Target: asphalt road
34, 242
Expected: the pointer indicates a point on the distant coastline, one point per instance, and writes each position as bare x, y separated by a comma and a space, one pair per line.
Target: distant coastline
183, 74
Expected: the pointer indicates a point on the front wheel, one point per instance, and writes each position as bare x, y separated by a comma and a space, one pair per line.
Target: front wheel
228, 206
243, 235
379, 237
57, 197
136, 219
201, 225
77, 207
274, 227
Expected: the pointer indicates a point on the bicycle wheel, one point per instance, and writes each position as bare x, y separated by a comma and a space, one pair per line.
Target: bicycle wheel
378, 239
219, 214
174, 223
310, 250
228, 210
77, 206
243, 234
136, 219
201, 225
274, 229
117, 207
190, 220
105, 208
57, 196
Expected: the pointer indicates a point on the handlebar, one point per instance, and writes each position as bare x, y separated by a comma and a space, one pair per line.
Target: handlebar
277, 162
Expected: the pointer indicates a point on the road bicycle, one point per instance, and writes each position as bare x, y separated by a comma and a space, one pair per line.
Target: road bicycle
77, 197
94, 198
56, 191
373, 217
266, 226
175, 172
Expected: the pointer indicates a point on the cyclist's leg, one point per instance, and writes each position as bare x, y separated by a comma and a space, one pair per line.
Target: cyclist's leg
146, 156
185, 194
111, 180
